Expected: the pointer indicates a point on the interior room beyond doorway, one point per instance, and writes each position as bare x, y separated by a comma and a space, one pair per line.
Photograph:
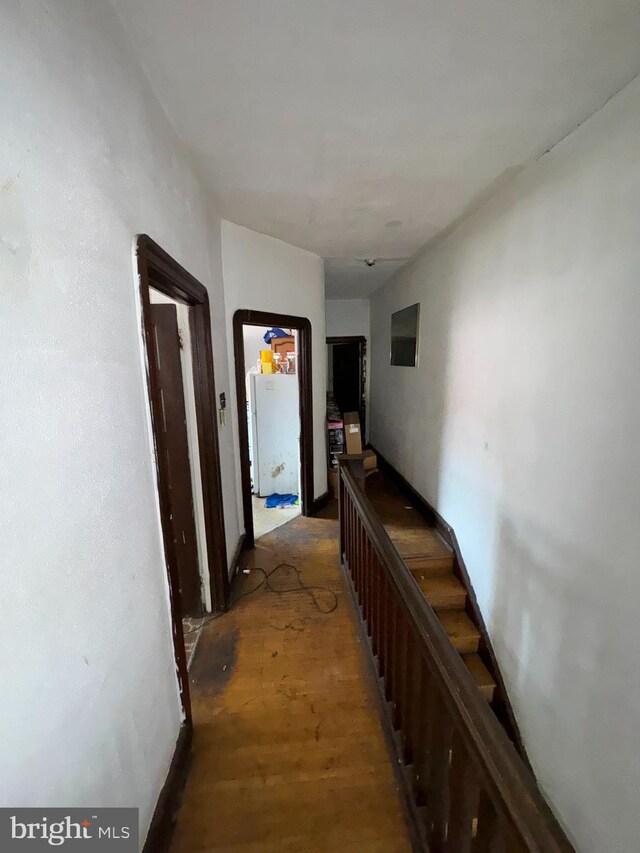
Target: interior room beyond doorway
273, 424
346, 377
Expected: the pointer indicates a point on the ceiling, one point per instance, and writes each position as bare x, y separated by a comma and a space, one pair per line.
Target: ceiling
352, 278
362, 128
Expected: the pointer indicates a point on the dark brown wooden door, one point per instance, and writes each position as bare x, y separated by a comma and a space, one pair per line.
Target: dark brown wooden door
174, 444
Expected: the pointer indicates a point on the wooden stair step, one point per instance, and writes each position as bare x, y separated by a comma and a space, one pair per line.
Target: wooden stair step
426, 564
462, 632
417, 540
481, 674
443, 592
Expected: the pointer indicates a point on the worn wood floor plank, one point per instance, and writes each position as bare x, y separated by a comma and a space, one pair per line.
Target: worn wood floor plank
288, 750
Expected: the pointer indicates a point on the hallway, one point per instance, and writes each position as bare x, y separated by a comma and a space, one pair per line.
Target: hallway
288, 751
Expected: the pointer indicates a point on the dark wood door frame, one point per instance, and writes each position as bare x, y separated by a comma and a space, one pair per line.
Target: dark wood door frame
158, 270
247, 317
362, 342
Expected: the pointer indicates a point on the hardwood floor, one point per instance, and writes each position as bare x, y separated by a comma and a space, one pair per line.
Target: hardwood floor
289, 754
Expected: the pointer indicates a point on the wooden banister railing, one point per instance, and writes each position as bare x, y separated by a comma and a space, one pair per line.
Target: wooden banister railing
471, 790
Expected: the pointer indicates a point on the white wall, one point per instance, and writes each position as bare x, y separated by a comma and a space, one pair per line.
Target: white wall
262, 273
253, 343
90, 703
521, 424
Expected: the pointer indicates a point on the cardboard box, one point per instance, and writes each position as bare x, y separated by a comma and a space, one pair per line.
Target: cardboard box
370, 460
367, 457
352, 433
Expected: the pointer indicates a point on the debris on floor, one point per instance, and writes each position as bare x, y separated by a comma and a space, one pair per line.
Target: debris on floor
278, 501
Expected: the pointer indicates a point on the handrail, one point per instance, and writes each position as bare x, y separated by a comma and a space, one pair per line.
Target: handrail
499, 797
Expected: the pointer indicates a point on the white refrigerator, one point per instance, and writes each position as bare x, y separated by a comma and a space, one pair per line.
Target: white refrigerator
274, 433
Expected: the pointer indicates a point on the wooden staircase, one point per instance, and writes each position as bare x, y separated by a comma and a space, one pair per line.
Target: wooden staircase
464, 784
430, 561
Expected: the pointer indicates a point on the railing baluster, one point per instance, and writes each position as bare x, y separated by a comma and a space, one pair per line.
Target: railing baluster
385, 623
411, 697
366, 592
425, 692
369, 583
401, 669
372, 592
356, 550
463, 799
341, 513
392, 643
349, 529
354, 557
438, 784
377, 603
365, 578
361, 568
487, 826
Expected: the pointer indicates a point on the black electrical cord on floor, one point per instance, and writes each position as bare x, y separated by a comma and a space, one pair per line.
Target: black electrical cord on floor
310, 589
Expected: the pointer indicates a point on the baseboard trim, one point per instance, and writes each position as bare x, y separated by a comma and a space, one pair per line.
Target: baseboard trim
164, 816
392, 740
501, 704
320, 503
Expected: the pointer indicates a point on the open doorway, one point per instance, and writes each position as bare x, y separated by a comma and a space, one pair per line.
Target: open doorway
176, 328
346, 377
273, 425
273, 385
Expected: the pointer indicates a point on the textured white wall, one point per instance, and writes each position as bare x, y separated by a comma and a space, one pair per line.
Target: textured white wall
521, 424
265, 274
253, 343
347, 317
90, 710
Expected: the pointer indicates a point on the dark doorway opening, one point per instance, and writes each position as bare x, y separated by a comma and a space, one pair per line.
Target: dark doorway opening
159, 272
346, 375
247, 317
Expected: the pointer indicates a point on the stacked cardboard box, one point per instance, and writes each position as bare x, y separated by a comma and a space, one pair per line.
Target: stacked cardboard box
353, 444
